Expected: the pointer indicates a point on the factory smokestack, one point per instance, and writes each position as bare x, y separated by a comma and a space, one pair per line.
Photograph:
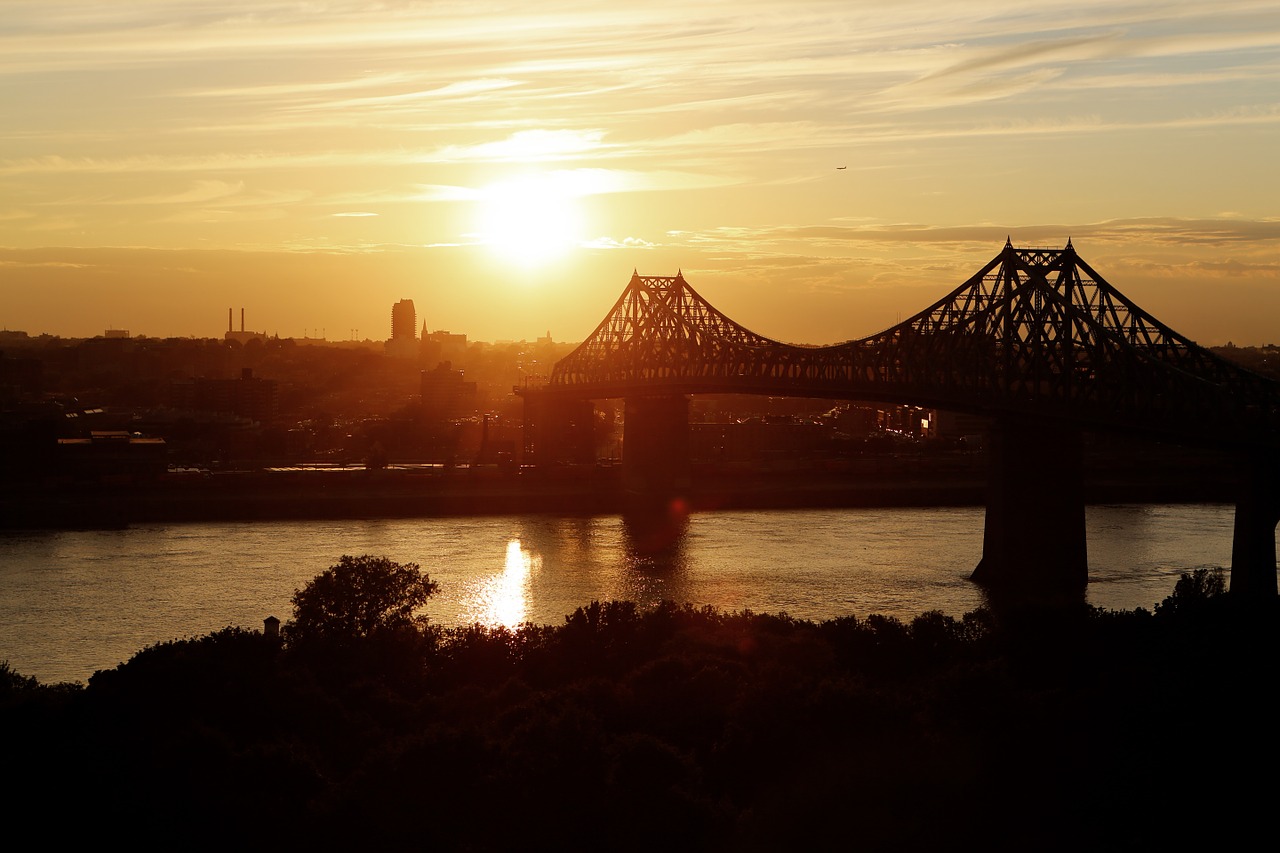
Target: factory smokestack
229, 326
242, 319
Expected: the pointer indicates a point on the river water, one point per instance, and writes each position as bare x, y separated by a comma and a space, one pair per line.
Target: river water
73, 602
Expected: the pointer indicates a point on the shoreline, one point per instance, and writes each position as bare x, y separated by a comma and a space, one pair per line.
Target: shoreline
358, 494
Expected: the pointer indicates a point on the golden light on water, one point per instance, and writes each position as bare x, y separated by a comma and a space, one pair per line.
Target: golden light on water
504, 598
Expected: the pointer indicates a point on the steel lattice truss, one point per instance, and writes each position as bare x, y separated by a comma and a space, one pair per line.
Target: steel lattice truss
1035, 332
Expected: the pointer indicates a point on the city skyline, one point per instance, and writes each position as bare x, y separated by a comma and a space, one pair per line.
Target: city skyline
818, 171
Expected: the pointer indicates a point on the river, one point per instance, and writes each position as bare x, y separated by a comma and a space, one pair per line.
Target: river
73, 602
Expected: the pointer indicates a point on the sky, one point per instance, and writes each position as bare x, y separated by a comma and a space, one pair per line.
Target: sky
817, 170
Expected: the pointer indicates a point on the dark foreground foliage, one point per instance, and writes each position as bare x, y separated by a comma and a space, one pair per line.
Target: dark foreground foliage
671, 728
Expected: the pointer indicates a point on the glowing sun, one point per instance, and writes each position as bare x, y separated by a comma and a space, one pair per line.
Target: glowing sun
534, 219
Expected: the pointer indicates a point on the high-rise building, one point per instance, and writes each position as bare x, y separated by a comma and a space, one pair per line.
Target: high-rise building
404, 320
404, 332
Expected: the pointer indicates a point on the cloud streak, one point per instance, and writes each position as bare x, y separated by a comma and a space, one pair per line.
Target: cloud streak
704, 134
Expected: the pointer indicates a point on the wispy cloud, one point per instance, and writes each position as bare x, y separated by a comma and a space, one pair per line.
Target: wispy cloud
624, 243
198, 193
1026, 53
525, 146
1150, 231
18, 264
706, 130
207, 216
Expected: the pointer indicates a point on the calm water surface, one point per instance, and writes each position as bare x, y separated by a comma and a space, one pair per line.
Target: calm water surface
72, 602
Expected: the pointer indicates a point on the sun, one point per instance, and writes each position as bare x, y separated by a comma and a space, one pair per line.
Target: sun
532, 220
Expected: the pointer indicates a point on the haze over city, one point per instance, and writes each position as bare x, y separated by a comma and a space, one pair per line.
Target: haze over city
817, 170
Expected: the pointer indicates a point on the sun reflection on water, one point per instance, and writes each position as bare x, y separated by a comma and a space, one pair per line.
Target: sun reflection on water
504, 598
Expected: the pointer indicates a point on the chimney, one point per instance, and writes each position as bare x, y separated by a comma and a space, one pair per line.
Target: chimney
242, 319
229, 326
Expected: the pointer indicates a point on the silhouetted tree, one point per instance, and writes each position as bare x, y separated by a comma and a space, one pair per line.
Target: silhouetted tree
1193, 591
357, 597
13, 683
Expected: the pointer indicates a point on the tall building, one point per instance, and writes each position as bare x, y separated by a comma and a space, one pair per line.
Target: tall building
403, 320
404, 333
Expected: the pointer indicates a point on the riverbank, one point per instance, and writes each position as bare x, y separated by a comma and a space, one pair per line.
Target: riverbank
356, 493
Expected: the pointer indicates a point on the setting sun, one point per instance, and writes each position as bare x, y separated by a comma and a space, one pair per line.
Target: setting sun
533, 219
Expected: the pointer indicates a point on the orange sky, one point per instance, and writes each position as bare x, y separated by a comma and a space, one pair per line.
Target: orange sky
507, 165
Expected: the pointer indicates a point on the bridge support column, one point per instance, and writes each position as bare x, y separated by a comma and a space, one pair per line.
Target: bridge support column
1253, 547
655, 445
557, 430
1034, 536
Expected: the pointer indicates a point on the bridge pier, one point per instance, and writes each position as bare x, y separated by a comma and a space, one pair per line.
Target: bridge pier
655, 445
1253, 546
1034, 536
558, 430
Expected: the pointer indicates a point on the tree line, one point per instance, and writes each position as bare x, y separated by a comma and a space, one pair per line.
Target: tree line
363, 723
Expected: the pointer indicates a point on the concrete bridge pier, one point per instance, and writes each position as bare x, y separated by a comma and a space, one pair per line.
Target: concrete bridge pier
557, 430
1253, 547
1034, 537
655, 445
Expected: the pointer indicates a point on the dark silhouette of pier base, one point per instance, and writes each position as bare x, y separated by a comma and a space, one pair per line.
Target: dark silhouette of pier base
1035, 535
1253, 547
655, 445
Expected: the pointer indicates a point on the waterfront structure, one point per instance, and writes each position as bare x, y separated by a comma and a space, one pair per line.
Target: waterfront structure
1036, 340
110, 455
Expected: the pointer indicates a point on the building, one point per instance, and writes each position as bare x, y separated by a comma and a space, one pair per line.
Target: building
442, 345
249, 396
957, 425
241, 337
404, 320
20, 378
446, 395
112, 456
404, 333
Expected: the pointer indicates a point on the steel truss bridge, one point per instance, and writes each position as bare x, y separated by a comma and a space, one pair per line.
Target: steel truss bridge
1035, 339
